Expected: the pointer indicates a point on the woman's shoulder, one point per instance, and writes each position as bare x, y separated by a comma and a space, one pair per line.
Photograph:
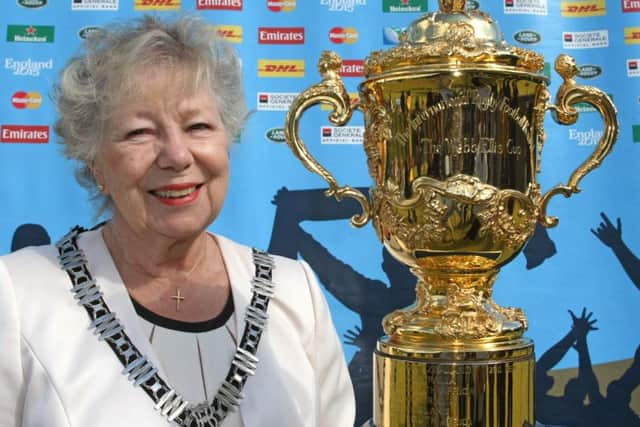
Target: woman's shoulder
293, 279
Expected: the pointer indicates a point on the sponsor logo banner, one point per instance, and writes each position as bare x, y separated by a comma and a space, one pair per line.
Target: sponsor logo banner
632, 35
219, 4
589, 71
281, 35
636, 133
405, 5
275, 135
342, 5
86, 31
30, 33
527, 37
94, 5
585, 138
27, 67
32, 3
472, 5
24, 134
585, 39
156, 4
633, 67
352, 68
339, 35
391, 35
280, 68
582, 8
630, 6
28, 100
281, 5
275, 101
344, 135
526, 7
230, 33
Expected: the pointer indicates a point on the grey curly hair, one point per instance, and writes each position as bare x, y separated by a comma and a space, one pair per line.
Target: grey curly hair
103, 74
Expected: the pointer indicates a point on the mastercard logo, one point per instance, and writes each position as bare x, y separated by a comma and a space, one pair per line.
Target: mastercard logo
281, 5
339, 35
28, 100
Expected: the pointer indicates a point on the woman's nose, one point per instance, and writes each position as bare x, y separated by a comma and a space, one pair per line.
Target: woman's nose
175, 152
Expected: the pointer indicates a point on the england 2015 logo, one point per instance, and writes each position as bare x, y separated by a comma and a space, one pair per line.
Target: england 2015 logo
342, 5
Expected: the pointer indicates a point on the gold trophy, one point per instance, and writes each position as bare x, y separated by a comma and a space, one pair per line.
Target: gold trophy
453, 136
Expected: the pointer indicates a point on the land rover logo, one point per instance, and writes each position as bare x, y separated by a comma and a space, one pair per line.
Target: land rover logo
84, 33
275, 135
527, 37
589, 71
472, 5
32, 3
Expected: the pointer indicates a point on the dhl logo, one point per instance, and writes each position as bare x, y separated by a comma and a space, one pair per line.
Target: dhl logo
354, 98
280, 68
577, 9
632, 35
230, 33
156, 4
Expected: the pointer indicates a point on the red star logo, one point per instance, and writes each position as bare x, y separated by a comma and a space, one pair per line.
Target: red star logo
31, 30
405, 2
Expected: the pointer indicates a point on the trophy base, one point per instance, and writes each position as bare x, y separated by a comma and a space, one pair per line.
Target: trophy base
457, 385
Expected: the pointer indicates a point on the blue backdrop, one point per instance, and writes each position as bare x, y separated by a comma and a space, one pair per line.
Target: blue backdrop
586, 262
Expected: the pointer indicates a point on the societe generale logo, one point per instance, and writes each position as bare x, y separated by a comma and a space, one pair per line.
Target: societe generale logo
280, 68
352, 68
156, 4
281, 5
281, 35
219, 4
230, 33
630, 6
339, 35
24, 134
28, 100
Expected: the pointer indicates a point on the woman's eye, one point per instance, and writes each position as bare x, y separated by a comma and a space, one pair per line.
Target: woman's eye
199, 126
138, 133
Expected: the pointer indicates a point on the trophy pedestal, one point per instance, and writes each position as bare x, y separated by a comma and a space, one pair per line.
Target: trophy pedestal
454, 385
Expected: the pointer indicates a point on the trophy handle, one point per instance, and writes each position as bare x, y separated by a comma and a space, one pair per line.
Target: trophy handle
330, 90
569, 94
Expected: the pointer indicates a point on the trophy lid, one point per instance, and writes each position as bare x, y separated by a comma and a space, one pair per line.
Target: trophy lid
453, 36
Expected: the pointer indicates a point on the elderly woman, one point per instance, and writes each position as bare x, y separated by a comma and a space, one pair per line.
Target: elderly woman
149, 320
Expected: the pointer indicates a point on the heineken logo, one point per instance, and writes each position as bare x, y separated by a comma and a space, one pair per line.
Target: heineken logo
589, 71
527, 37
472, 5
32, 3
30, 33
404, 6
86, 31
275, 135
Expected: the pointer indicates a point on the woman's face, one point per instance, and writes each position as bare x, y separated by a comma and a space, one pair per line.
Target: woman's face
164, 159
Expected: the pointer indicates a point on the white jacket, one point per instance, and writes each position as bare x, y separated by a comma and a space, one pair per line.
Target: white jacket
55, 373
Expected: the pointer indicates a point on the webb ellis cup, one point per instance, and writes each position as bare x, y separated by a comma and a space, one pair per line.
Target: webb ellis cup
453, 137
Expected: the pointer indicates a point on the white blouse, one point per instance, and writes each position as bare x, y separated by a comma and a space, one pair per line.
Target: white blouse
195, 356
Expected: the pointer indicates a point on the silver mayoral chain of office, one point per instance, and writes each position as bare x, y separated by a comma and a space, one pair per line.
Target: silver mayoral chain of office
140, 370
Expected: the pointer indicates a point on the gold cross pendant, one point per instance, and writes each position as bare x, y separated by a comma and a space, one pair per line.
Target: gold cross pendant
179, 298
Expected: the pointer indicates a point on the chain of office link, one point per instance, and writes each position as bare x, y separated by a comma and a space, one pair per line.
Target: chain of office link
140, 370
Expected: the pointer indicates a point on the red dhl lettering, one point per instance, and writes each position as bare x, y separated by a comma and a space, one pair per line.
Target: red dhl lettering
583, 9
271, 68
159, 3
